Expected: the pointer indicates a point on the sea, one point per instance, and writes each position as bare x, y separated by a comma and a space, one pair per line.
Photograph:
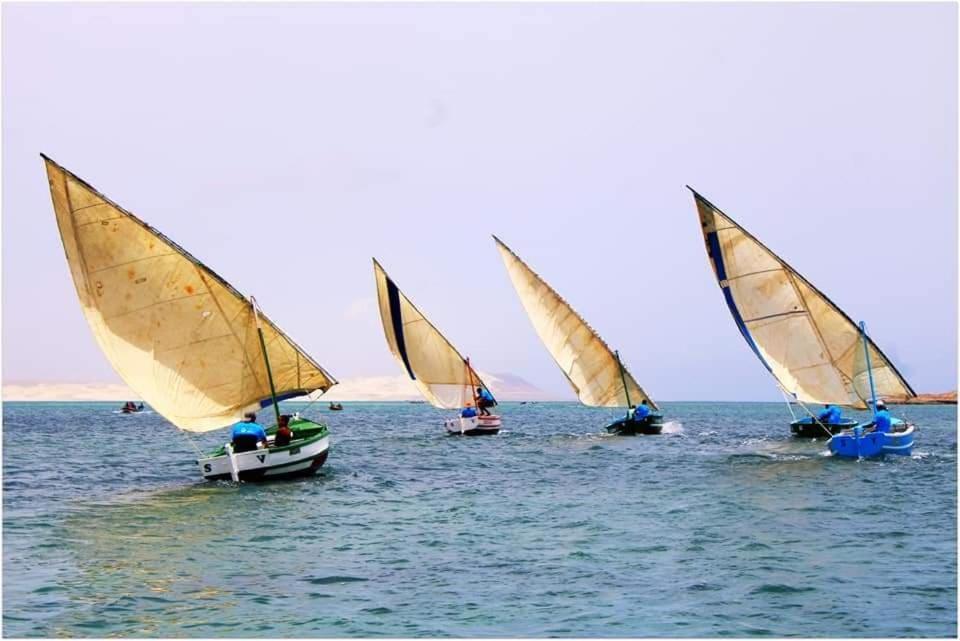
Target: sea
724, 525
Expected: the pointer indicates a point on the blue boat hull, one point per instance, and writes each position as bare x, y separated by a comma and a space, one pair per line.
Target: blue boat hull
850, 445
899, 442
870, 444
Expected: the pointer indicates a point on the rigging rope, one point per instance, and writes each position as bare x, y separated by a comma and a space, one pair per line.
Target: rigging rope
815, 418
190, 440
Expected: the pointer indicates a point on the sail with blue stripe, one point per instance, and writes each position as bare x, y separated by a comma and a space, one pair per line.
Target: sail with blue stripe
444, 377
808, 344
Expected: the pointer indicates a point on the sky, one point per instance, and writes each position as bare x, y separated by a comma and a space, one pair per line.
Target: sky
287, 145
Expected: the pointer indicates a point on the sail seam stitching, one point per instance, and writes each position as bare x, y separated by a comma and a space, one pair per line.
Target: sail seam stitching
131, 262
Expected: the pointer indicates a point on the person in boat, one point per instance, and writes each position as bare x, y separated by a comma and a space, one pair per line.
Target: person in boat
882, 420
248, 434
484, 400
640, 412
830, 415
468, 412
284, 433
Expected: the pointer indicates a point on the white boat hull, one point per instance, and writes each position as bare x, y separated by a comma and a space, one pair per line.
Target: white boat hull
475, 426
264, 464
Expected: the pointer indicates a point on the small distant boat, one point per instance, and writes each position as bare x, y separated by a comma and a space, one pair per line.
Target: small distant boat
335, 407
595, 371
807, 343
444, 377
193, 347
131, 408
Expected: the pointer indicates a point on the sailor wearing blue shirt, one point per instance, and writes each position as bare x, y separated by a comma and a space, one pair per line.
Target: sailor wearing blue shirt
468, 412
484, 400
882, 418
642, 411
248, 433
830, 415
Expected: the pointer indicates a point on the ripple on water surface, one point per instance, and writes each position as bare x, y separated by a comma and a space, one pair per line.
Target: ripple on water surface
723, 526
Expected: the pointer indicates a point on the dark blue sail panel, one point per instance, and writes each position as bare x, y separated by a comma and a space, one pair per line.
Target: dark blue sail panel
396, 321
268, 401
716, 255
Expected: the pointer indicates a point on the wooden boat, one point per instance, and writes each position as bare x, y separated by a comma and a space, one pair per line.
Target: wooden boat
811, 348
444, 377
193, 347
335, 407
596, 373
304, 455
809, 427
630, 426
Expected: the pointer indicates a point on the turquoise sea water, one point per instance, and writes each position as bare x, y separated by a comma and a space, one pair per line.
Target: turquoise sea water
725, 527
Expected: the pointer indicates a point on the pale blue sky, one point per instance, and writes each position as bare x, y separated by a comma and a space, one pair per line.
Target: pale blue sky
286, 145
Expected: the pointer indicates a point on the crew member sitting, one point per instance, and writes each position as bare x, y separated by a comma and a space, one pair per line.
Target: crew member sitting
247, 434
284, 433
830, 415
484, 400
882, 419
468, 412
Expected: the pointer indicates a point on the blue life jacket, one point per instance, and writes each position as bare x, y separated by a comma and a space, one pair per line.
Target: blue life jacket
468, 412
249, 429
486, 395
641, 412
882, 420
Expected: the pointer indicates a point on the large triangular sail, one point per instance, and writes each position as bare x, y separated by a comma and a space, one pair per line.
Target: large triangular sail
443, 376
594, 371
178, 334
808, 344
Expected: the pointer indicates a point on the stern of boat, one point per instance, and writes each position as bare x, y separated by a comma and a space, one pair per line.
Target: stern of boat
305, 454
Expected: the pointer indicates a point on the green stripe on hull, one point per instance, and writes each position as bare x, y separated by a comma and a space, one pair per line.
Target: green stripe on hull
305, 432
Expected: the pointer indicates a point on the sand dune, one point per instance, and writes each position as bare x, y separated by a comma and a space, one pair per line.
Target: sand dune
505, 387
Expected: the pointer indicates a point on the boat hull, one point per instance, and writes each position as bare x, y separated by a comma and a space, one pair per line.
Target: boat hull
808, 428
302, 457
857, 446
650, 426
476, 426
872, 444
899, 441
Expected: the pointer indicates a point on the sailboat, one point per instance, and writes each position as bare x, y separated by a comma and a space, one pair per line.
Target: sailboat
807, 343
187, 342
446, 379
596, 372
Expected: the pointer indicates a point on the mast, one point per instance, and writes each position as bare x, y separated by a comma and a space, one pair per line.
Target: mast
866, 351
266, 360
473, 393
624, 379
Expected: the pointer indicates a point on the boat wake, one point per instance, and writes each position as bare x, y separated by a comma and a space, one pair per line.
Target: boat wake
672, 427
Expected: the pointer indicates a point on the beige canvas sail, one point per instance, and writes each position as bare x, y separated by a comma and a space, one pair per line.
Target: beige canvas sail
588, 363
808, 344
178, 334
441, 374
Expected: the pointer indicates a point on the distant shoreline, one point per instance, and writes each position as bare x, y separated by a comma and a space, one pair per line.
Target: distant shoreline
371, 390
